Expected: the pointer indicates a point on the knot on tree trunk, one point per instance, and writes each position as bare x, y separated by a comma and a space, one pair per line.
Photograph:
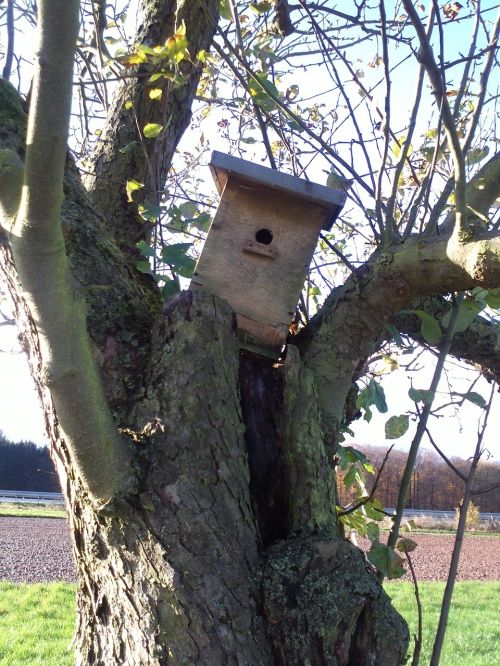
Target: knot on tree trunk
324, 605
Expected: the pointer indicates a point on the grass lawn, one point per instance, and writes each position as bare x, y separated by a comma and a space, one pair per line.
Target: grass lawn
473, 635
32, 510
37, 622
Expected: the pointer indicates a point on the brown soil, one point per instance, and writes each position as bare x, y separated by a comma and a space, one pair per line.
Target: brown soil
479, 559
39, 549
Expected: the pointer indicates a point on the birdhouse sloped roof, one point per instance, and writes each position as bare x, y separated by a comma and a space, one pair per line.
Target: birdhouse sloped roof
224, 166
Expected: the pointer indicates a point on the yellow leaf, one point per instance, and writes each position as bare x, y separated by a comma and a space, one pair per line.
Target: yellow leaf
155, 93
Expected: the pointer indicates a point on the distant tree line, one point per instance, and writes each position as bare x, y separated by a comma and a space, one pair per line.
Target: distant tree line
26, 466
434, 485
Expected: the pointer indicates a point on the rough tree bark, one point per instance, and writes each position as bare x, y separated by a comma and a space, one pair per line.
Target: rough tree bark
223, 549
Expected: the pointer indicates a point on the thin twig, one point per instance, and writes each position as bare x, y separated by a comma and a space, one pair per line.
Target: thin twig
457, 548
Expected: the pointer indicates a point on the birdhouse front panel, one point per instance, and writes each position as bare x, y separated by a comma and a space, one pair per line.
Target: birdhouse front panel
259, 248
256, 256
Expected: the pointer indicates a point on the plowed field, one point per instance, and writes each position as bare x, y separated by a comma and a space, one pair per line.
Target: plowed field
39, 549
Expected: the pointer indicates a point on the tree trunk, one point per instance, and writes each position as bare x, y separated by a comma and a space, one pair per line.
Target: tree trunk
179, 574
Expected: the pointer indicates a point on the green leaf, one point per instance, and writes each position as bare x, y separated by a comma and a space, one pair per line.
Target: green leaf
143, 266
226, 10
175, 256
151, 130
476, 155
151, 213
430, 329
128, 148
493, 298
386, 560
260, 7
475, 398
202, 222
145, 249
395, 334
467, 312
337, 181
374, 510
188, 209
259, 86
396, 426
170, 288
378, 396
176, 46
373, 394
421, 395
349, 478
373, 532
249, 140
354, 521
131, 187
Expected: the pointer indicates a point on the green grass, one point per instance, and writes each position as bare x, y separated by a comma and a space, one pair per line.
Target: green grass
36, 624
473, 635
31, 511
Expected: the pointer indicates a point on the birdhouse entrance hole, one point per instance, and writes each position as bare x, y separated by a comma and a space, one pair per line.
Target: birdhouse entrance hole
260, 245
264, 236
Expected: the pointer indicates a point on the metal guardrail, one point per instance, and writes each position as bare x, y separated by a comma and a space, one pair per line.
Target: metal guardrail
444, 515
31, 497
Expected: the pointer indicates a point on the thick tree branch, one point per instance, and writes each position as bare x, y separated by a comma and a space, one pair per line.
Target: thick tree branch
353, 319
38, 247
482, 191
479, 344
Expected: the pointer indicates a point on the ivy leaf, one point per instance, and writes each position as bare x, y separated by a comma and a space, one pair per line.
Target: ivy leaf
175, 256
131, 187
151, 130
170, 288
396, 426
385, 560
151, 213
145, 249
421, 395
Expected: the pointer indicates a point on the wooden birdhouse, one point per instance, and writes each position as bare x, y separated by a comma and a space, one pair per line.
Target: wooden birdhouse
260, 245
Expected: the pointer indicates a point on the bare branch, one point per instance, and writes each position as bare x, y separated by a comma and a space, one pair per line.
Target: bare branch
9, 56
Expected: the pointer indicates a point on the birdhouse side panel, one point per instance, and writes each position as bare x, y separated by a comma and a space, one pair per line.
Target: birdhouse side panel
258, 250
